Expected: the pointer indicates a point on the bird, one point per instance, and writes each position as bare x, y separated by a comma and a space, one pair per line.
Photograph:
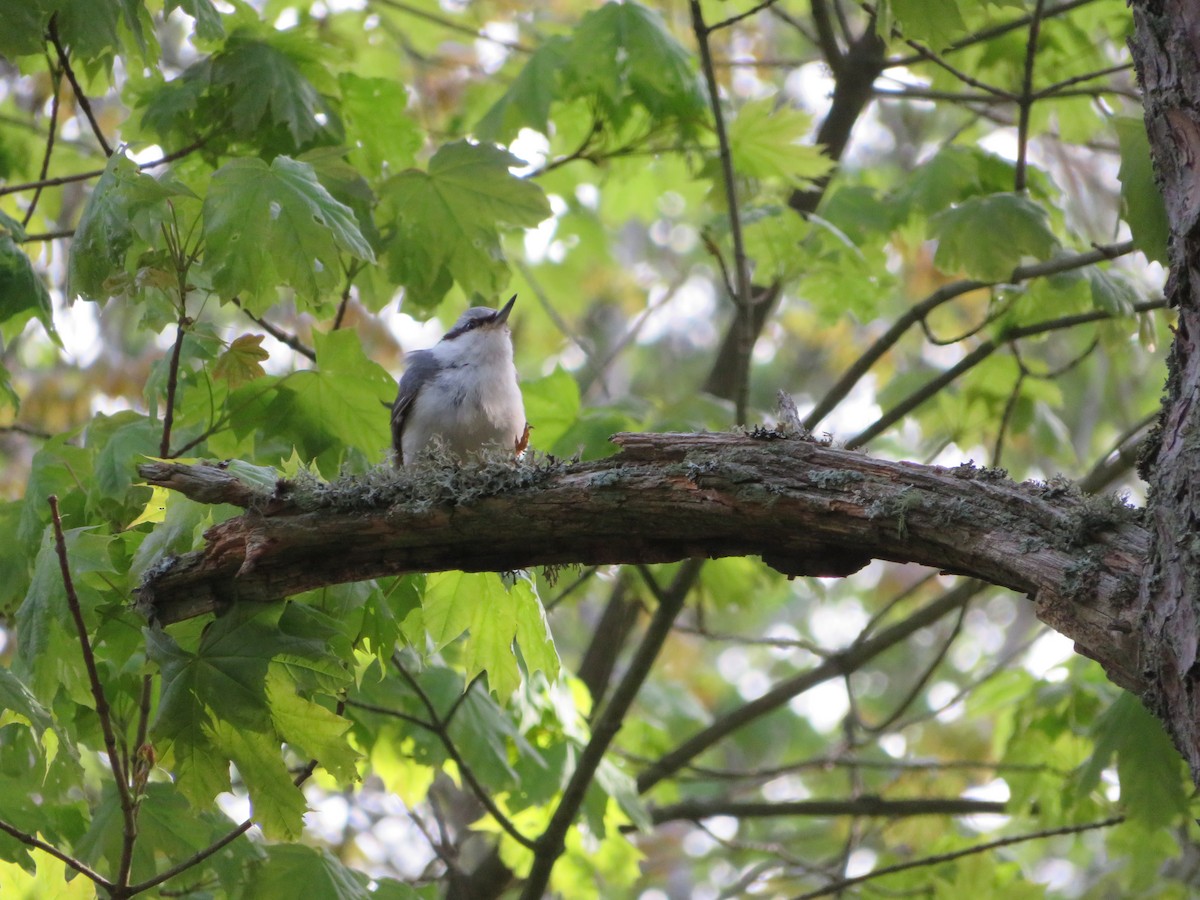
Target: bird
463, 391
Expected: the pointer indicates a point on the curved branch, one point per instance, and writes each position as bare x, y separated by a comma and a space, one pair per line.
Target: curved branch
805, 508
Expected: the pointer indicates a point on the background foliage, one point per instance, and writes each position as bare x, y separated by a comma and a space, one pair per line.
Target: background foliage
933, 223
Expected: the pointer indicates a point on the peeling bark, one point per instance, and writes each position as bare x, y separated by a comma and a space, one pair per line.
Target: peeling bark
1166, 51
805, 508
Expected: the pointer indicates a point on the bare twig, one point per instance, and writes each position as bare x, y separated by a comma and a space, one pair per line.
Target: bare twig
838, 886
278, 333
56, 87
71, 862
742, 299
1010, 406
96, 173
974, 358
103, 711
1025, 101
857, 806
200, 855
986, 34
65, 64
835, 666
47, 235
1121, 458
451, 25
439, 728
1058, 88
164, 446
552, 841
734, 19
948, 292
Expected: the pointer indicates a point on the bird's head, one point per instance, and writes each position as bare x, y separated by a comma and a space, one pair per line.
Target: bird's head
481, 320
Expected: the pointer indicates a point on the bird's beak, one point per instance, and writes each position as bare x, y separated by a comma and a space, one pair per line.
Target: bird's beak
502, 316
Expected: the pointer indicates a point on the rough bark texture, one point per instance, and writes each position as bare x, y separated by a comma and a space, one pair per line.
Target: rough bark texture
805, 508
1166, 50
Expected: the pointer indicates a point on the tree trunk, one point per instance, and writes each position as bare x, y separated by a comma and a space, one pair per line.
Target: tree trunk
1166, 51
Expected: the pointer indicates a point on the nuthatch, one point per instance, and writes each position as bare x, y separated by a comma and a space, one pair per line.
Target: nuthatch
463, 391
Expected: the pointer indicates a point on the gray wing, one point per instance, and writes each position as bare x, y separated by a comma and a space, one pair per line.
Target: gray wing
420, 368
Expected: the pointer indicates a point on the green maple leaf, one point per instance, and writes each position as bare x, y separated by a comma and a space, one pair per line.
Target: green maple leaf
22, 292
495, 616
242, 362
266, 88
374, 109
341, 398
125, 209
266, 224
310, 727
988, 237
526, 103
221, 686
624, 52
936, 22
24, 29
448, 221
290, 871
1152, 782
208, 20
533, 631
278, 804
552, 405
1141, 200
767, 142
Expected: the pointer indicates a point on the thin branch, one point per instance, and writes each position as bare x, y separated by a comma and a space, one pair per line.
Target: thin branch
826, 37
835, 666
923, 679
200, 855
103, 712
1010, 406
394, 713
47, 235
742, 298
1025, 101
278, 333
164, 446
734, 19
552, 841
556, 318
612, 630
580, 152
96, 173
451, 25
974, 358
986, 34
71, 862
1058, 87
911, 92
80, 96
857, 806
56, 87
944, 294
439, 728
27, 430
778, 643
958, 73
838, 886
571, 588
1121, 458
770, 773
